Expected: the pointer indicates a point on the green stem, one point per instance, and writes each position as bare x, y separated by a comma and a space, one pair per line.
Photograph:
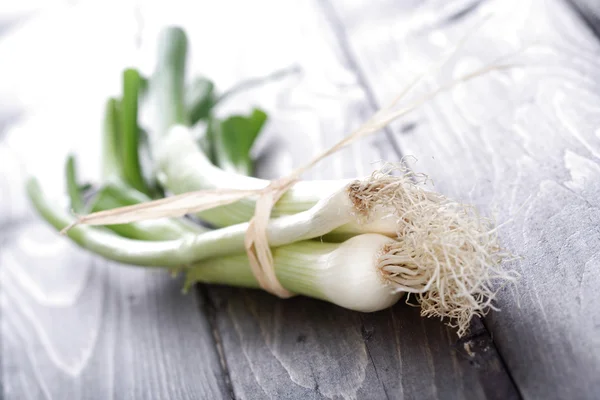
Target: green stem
190, 248
106, 243
298, 267
185, 168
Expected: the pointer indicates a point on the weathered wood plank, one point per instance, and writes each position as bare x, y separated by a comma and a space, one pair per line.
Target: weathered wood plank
74, 326
301, 348
517, 139
77, 327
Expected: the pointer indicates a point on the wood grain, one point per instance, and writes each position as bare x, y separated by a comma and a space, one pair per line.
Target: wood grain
524, 142
303, 348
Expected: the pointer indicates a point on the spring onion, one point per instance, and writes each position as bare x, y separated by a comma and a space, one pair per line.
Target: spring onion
394, 236
348, 274
183, 168
329, 271
318, 221
443, 256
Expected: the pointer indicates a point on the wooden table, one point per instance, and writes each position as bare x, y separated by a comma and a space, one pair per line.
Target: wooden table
524, 143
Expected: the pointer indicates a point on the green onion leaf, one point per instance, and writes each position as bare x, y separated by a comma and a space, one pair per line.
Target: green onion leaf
111, 159
200, 99
116, 194
167, 84
132, 172
73, 188
232, 140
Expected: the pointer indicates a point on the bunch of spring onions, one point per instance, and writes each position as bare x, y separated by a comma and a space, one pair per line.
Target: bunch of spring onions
361, 244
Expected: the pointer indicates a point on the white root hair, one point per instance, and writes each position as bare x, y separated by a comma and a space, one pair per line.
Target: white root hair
446, 254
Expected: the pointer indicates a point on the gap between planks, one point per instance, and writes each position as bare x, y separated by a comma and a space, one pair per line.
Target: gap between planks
209, 311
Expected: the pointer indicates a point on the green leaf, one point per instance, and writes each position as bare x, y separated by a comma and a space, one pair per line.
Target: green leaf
114, 195
111, 158
200, 99
132, 172
73, 188
117, 194
233, 139
167, 84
